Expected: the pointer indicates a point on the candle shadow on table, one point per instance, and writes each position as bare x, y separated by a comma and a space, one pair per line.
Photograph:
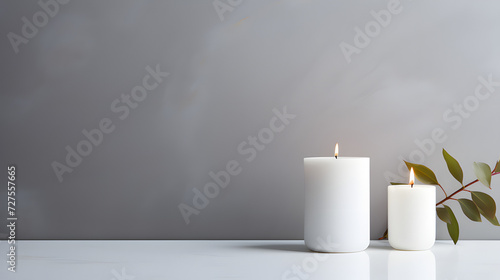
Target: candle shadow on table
280, 247
384, 246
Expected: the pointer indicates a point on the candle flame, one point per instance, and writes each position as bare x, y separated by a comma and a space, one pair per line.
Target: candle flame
336, 150
412, 177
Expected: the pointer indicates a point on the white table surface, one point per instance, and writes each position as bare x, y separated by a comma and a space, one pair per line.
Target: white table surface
270, 259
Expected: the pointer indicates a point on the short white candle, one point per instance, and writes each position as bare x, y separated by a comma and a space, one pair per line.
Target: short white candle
337, 206
412, 216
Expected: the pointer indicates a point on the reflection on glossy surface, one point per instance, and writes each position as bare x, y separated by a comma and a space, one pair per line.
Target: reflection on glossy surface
410, 265
448, 261
248, 259
344, 266
330, 266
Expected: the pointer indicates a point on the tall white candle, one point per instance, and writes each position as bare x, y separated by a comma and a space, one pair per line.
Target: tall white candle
412, 216
337, 206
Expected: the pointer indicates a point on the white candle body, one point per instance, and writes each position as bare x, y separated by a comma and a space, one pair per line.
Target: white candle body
412, 216
337, 206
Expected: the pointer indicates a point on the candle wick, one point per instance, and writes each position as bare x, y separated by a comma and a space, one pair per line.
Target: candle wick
335, 156
412, 185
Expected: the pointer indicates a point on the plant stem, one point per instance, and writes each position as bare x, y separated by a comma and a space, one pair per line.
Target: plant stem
443, 190
493, 173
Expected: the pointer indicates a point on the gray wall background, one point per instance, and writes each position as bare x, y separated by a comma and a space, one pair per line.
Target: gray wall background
226, 76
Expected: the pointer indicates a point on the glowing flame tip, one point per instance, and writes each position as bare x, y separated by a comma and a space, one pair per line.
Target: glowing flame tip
412, 177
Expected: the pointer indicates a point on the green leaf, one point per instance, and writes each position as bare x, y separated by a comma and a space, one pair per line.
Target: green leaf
423, 173
386, 234
453, 228
470, 209
483, 173
394, 183
493, 221
485, 203
454, 167
497, 167
443, 215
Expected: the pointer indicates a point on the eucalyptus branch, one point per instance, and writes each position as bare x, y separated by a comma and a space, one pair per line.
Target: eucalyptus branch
493, 173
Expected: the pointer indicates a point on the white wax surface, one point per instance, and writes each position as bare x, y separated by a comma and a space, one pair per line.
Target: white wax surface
337, 207
412, 216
